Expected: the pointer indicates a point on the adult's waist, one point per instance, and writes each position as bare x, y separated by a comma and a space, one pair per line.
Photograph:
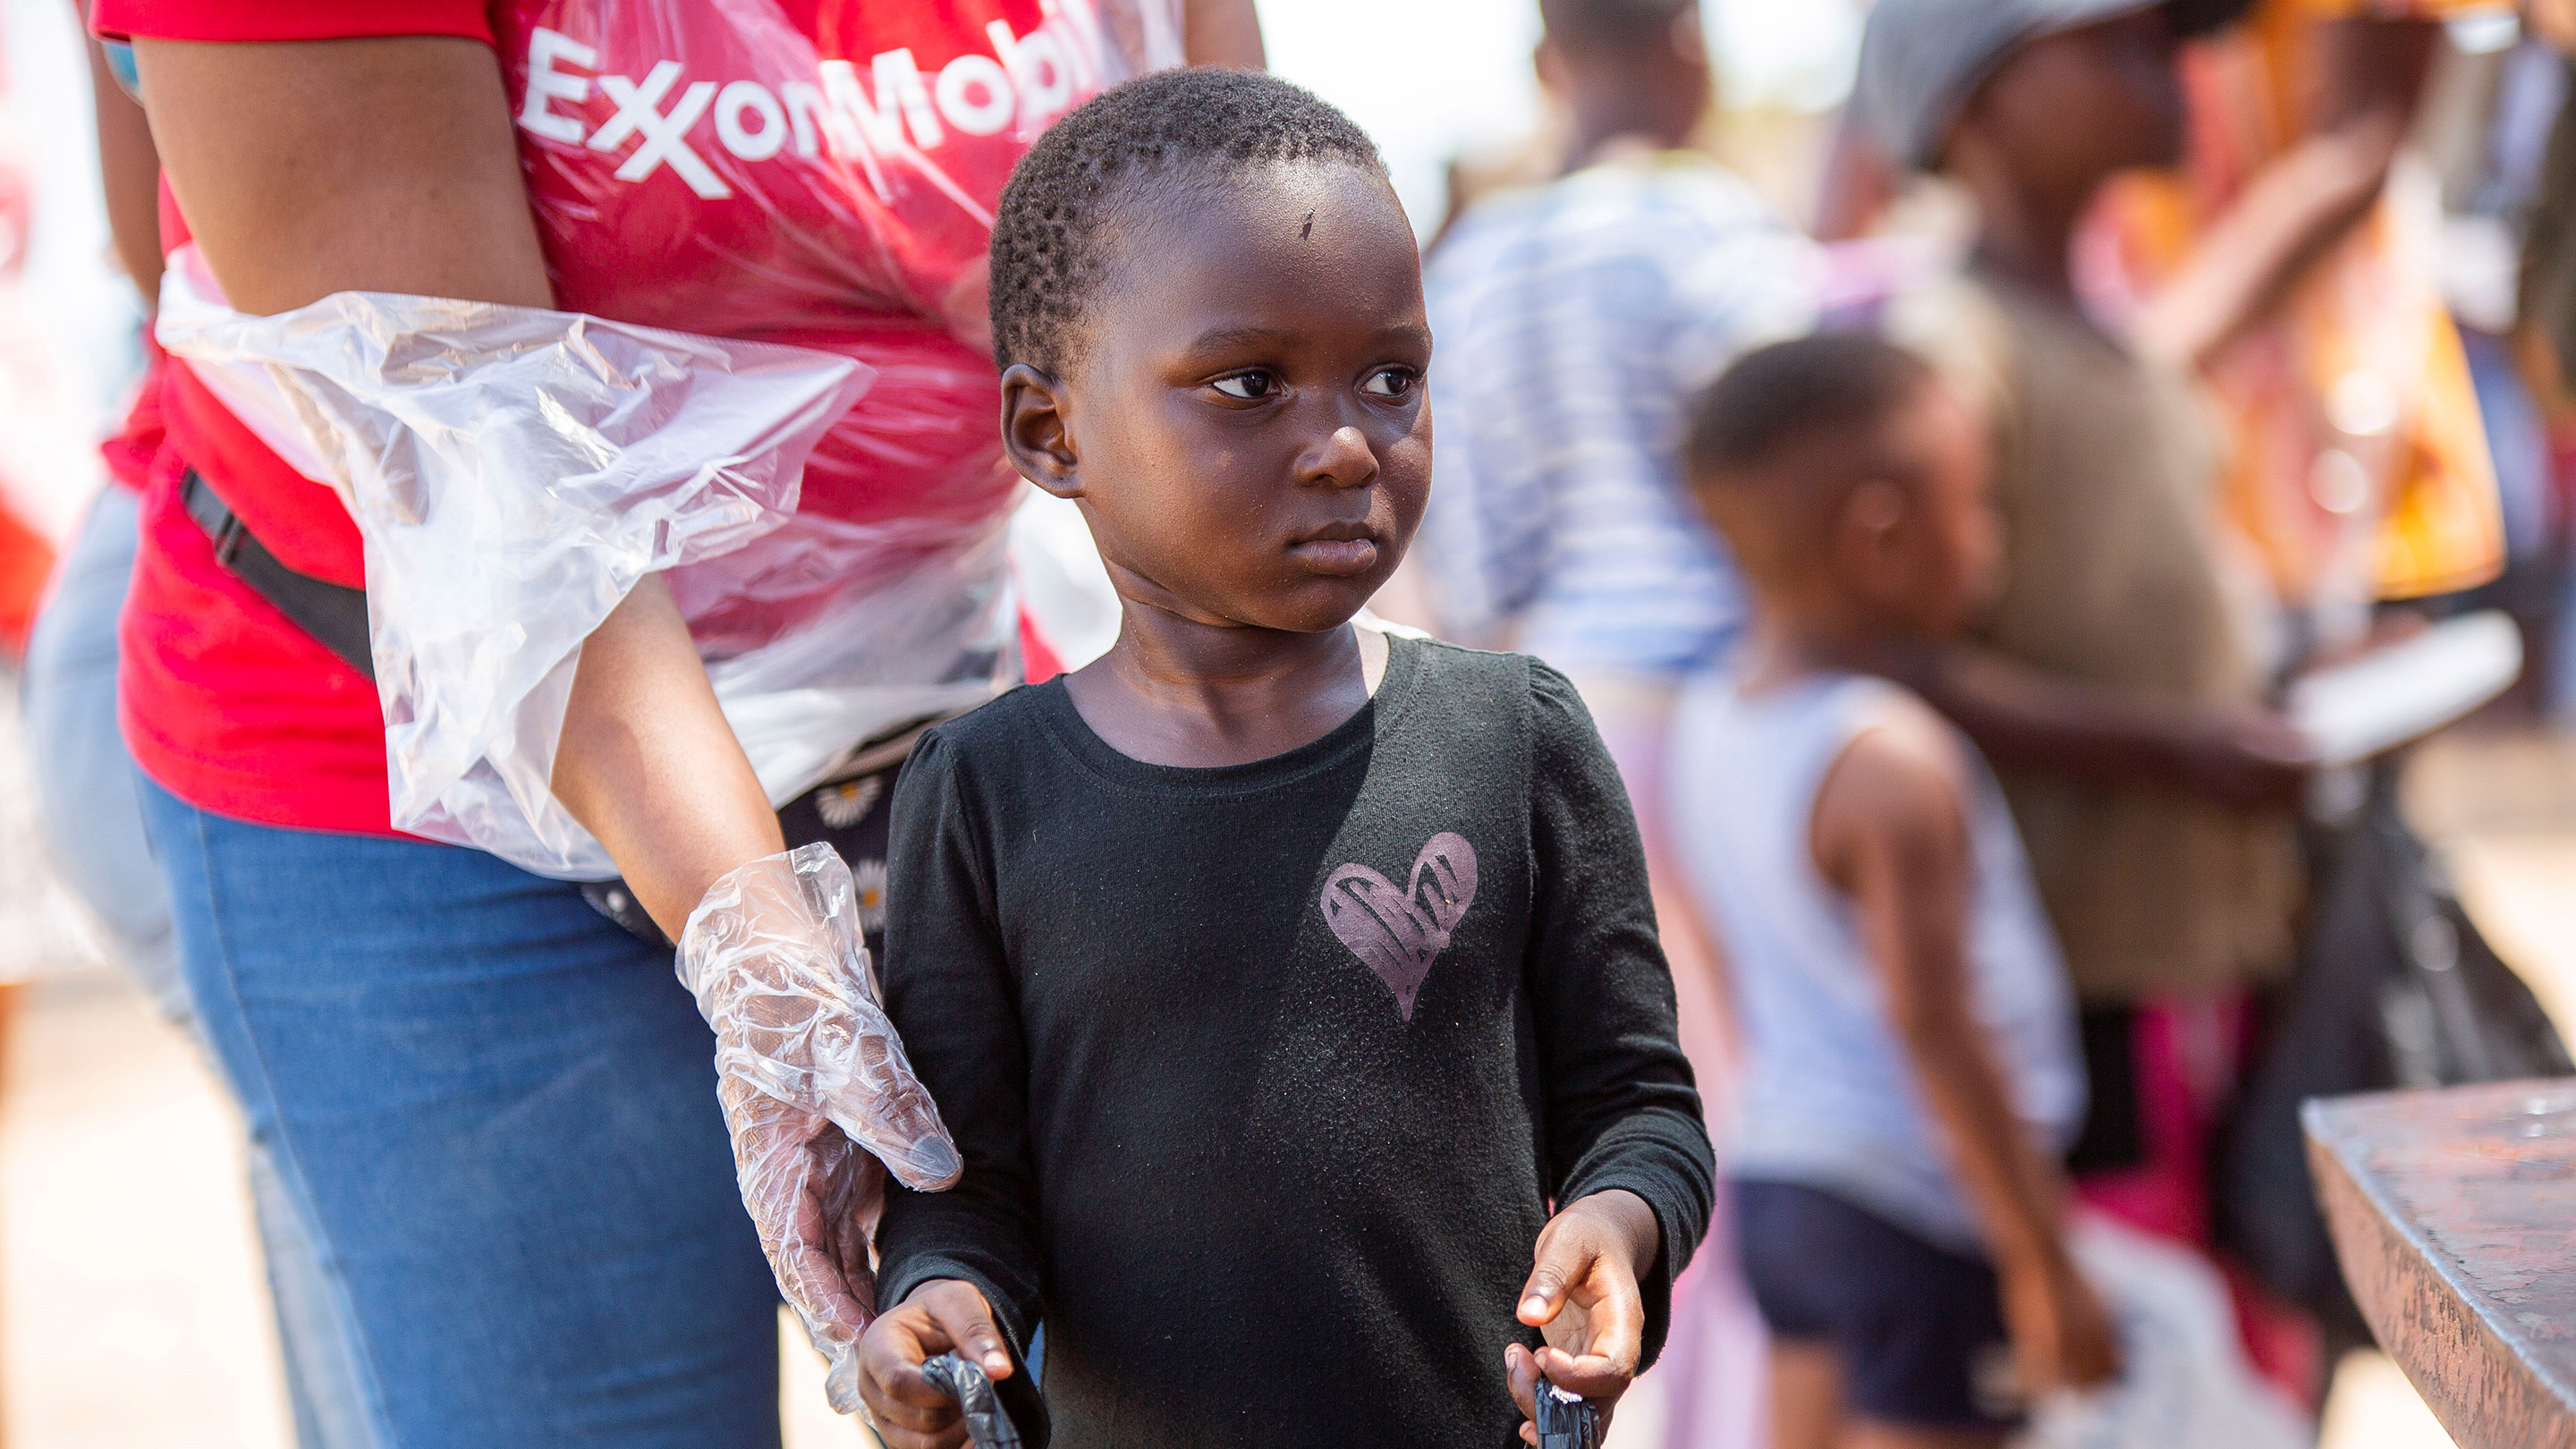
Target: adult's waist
300, 521
1901, 1181
916, 463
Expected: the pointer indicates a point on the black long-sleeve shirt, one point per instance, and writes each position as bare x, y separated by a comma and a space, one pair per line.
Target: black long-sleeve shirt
1265, 1076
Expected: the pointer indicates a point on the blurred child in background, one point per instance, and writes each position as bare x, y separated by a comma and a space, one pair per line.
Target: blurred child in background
2115, 682
1576, 320
1910, 1067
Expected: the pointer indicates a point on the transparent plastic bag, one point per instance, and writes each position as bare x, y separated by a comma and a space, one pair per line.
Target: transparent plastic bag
2184, 1378
513, 472
825, 184
817, 1092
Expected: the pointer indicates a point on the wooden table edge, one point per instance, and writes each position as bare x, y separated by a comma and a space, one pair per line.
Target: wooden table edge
2425, 1315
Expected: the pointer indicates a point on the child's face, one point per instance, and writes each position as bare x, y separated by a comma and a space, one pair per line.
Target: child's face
1950, 547
1243, 420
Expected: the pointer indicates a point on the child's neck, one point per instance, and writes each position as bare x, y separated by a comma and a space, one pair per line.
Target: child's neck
2031, 263
1605, 122
1179, 691
2028, 237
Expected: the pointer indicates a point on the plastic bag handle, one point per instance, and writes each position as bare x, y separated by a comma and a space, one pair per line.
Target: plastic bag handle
986, 1422
1566, 1421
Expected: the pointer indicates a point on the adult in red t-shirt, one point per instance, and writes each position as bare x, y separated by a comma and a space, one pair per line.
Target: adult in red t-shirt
496, 1107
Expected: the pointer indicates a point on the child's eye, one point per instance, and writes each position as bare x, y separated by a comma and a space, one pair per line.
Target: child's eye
1391, 383
1247, 386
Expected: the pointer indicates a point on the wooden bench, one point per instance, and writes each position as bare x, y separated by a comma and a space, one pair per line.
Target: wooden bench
2454, 1216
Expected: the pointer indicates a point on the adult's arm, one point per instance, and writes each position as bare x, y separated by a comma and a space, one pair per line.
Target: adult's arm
2554, 21
130, 176
2299, 206
950, 992
1222, 32
387, 165
2250, 759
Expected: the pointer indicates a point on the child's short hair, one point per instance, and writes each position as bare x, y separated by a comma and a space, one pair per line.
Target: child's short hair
1830, 384
1051, 231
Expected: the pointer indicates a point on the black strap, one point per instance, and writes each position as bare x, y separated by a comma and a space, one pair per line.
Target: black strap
334, 614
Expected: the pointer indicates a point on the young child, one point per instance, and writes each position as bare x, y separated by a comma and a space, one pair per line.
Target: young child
1275, 976
1910, 1066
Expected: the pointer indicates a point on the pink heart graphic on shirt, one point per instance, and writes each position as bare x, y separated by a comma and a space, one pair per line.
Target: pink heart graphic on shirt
1398, 934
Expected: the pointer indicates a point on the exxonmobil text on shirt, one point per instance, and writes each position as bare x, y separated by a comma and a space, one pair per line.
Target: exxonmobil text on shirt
849, 153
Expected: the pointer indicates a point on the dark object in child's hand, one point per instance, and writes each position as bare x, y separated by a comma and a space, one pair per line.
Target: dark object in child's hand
1566, 1421
986, 1423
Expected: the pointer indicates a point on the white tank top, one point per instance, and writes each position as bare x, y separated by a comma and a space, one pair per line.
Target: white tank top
1828, 1098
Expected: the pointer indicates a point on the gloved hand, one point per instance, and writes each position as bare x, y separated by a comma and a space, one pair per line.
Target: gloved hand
810, 1071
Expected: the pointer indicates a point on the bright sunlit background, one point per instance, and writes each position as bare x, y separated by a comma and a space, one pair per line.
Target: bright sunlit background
1432, 78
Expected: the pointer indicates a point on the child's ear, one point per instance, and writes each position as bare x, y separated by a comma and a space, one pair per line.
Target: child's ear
1034, 431
1867, 526
1549, 64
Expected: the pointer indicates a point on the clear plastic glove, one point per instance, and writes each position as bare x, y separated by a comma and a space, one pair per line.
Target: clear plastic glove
810, 1072
514, 472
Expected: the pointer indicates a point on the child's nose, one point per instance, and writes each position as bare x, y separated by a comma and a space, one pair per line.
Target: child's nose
1345, 460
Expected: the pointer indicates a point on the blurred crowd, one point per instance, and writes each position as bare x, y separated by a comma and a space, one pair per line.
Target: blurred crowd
2259, 306
2118, 366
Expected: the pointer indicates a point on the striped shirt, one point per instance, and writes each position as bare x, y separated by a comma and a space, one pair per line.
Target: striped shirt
1576, 322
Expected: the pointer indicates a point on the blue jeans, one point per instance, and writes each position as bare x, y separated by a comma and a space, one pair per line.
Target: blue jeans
84, 778
497, 1111
93, 828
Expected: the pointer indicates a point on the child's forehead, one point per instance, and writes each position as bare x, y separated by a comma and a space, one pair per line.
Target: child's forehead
1325, 238
1223, 200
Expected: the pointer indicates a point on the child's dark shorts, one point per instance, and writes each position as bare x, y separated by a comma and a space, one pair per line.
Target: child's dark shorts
1918, 1330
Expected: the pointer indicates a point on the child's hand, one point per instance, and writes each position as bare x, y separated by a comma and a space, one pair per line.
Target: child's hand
941, 1316
2061, 1333
1583, 1294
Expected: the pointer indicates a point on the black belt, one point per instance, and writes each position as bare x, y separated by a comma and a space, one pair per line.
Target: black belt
334, 614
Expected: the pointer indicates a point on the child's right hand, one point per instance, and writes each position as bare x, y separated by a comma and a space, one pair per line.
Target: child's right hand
2061, 1333
941, 1316
1582, 1294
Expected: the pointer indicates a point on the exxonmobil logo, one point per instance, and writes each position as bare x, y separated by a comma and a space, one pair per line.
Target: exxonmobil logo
893, 112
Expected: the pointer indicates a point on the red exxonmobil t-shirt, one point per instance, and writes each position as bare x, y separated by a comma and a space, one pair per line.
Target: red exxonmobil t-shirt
130, 453
814, 172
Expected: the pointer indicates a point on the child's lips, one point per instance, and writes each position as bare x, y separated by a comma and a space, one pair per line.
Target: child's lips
1337, 557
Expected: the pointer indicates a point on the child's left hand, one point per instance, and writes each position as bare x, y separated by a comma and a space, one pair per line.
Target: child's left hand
1583, 1295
